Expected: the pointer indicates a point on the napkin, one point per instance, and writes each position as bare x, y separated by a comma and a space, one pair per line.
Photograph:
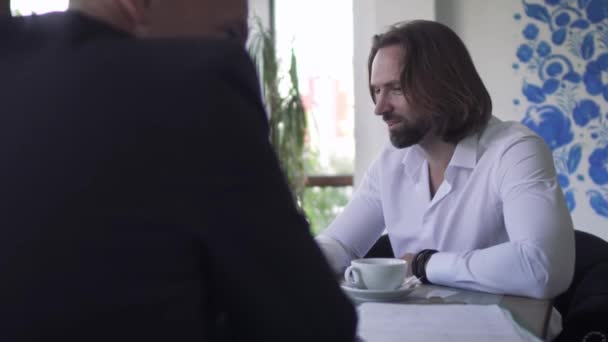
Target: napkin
386, 322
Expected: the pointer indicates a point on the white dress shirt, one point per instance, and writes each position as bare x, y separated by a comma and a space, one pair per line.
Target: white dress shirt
499, 219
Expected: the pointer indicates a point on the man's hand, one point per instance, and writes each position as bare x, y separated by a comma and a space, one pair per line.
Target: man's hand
409, 257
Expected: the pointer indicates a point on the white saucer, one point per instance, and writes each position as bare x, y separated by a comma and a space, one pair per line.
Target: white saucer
377, 295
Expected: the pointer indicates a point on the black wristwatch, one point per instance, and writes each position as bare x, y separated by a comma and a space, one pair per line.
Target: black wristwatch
419, 264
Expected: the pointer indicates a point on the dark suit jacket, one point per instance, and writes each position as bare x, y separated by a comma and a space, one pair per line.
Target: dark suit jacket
140, 199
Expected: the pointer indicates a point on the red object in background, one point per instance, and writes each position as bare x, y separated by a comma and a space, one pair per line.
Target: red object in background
341, 111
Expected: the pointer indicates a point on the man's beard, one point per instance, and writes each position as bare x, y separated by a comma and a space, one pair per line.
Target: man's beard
407, 133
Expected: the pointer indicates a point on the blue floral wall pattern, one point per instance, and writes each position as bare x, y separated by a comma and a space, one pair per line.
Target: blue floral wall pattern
563, 58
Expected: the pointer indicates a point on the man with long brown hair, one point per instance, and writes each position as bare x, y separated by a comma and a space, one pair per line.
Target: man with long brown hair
469, 200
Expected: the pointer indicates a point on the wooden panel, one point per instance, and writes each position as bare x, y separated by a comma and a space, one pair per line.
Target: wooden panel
330, 181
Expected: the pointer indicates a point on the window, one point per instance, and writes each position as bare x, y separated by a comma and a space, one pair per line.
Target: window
27, 7
321, 35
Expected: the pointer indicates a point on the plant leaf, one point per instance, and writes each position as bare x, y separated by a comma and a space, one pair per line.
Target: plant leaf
574, 158
588, 46
533, 93
558, 37
580, 23
598, 203
537, 12
572, 77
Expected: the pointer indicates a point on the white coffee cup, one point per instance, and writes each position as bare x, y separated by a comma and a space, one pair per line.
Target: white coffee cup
376, 273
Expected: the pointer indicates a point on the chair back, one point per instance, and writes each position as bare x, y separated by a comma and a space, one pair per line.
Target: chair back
584, 306
590, 252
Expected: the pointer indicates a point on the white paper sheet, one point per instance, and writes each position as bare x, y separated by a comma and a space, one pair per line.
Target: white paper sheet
451, 295
387, 322
441, 293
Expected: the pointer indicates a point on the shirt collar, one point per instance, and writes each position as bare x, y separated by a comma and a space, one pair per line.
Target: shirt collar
413, 160
465, 156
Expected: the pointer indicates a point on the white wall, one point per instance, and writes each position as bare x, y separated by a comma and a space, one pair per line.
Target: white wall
491, 38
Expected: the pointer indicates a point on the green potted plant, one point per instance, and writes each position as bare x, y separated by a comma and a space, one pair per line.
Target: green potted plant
287, 116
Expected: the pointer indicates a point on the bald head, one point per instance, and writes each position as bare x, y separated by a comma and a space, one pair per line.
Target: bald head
172, 19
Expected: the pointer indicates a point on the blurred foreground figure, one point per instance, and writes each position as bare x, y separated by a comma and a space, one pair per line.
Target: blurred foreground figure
141, 200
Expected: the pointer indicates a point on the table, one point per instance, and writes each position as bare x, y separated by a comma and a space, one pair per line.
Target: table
532, 314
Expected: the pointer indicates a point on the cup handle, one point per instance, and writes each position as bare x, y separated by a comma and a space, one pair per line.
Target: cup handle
352, 276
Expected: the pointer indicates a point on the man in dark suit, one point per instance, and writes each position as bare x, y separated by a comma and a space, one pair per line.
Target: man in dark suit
140, 198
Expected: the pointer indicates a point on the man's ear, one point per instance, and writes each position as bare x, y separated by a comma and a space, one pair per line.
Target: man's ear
135, 12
